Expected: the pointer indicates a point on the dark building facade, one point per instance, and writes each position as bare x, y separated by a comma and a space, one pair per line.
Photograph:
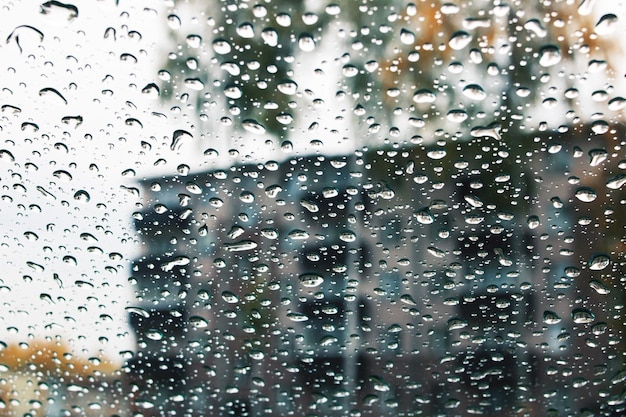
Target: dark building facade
388, 282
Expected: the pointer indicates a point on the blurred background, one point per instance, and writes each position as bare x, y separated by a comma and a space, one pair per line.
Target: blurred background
312, 208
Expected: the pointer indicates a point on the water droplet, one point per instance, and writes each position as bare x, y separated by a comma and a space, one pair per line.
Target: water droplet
311, 280
492, 131
233, 91
436, 252
298, 317
606, 24
599, 262
221, 46
311, 206
437, 153
586, 194
459, 40
407, 299
617, 103
457, 115
456, 323
59, 11
51, 92
270, 37
245, 30
424, 96
347, 236
177, 261
550, 55
550, 317
253, 126
586, 7
616, 182
475, 92
178, 138
424, 216
306, 42
533, 222
198, 322
407, 37
173, 22
535, 26
82, 196
582, 316
597, 156
194, 84
599, 287
600, 127
244, 245
288, 87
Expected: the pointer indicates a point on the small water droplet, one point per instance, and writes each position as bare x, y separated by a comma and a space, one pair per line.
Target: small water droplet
459, 40
599, 262
606, 24
311, 280
550, 55
550, 317
582, 316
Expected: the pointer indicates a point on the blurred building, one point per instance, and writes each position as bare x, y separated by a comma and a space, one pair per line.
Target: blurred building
388, 282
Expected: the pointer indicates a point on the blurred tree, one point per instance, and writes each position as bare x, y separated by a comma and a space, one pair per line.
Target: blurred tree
39, 375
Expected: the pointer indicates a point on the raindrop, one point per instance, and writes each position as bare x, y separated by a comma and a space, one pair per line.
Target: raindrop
457, 116
459, 40
243, 245
306, 42
230, 297
288, 87
617, 103
407, 37
311, 280
298, 317
597, 156
253, 126
582, 316
347, 236
533, 222
245, 30
407, 299
599, 287
194, 84
221, 46
438, 153
194, 41
424, 96
270, 37
178, 138
424, 216
607, 24
549, 55
599, 262
48, 91
613, 183
475, 92
586, 194
599, 127
550, 317
456, 323
82, 196
59, 11
173, 22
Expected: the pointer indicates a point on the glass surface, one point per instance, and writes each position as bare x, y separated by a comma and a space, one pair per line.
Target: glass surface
312, 208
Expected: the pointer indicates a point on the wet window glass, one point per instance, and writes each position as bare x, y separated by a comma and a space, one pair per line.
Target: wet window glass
312, 208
